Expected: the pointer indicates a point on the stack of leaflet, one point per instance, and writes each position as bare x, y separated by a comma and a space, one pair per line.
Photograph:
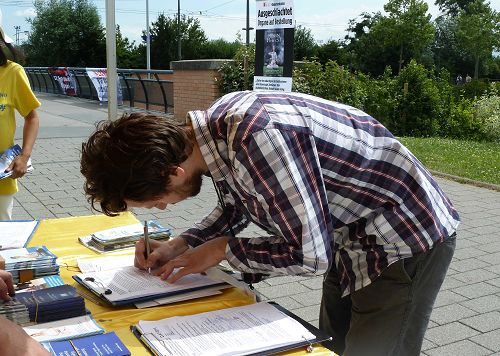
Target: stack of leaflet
54, 303
15, 311
39, 283
28, 263
123, 237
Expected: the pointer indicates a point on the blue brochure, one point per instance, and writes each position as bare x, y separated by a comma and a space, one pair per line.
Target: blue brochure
6, 158
103, 344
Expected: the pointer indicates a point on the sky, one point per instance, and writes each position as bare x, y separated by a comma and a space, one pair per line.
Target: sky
327, 19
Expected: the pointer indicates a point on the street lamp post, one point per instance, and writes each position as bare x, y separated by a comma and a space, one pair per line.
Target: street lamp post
179, 54
111, 60
148, 39
18, 30
245, 57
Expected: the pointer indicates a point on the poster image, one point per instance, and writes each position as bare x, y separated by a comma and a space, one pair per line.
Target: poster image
65, 80
274, 45
274, 51
99, 78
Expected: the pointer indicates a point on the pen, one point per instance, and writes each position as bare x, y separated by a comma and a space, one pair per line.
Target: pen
146, 242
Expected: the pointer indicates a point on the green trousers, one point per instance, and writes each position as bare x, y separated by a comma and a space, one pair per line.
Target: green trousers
389, 316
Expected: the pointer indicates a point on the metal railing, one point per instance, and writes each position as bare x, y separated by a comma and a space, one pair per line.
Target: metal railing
141, 88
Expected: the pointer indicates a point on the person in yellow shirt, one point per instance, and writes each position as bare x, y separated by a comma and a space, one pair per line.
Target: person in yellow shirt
15, 94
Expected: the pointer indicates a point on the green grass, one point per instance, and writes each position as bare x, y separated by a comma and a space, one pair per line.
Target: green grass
468, 159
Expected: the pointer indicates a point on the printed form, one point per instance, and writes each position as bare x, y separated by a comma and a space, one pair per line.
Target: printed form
233, 331
130, 282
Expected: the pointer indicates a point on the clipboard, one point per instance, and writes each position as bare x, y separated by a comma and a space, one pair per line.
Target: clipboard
307, 345
102, 295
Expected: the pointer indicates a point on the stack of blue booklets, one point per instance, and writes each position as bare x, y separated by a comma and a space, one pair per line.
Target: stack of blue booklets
28, 263
54, 303
98, 345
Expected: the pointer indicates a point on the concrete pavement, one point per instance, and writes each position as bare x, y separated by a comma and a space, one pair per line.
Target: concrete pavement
466, 318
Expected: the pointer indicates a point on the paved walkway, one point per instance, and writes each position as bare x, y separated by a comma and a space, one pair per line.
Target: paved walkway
466, 318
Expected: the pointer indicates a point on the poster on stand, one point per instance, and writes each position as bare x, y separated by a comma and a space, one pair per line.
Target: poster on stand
99, 78
65, 80
274, 45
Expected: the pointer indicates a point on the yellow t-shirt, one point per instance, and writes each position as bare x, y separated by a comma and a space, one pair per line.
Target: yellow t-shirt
15, 93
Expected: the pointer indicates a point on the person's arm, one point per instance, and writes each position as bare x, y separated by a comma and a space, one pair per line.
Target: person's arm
217, 223
15, 341
19, 165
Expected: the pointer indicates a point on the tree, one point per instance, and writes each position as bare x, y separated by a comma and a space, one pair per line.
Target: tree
333, 51
66, 33
304, 45
478, 31
164, 40
365, 45
447, 52
453, 7
372, 51
219, 48
408, 27
128, 55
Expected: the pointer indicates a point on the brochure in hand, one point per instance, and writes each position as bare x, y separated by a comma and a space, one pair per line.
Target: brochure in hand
98, 345
6, 158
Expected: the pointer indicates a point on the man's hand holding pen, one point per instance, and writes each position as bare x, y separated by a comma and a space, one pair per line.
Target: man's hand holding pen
174, 254
195, 260
160, 252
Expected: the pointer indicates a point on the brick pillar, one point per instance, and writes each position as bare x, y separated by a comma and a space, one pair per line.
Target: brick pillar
195, 85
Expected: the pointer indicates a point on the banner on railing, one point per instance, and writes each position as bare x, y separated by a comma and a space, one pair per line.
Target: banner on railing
65, 80
99, 77
274, 45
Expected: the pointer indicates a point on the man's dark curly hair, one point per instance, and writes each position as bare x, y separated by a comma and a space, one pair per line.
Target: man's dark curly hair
131, 158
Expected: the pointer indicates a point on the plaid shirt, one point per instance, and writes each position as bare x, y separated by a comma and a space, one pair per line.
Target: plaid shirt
322, 179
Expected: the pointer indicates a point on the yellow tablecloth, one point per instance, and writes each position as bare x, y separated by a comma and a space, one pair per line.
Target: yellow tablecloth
61, 237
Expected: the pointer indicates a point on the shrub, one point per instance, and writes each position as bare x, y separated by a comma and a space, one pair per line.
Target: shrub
487, 113
332, 82
460, 122
233, 71
381, 96
472, 90
419, 107
308, 78
429, 107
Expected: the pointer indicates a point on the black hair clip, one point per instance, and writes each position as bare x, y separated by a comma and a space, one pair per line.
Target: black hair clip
107, 291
